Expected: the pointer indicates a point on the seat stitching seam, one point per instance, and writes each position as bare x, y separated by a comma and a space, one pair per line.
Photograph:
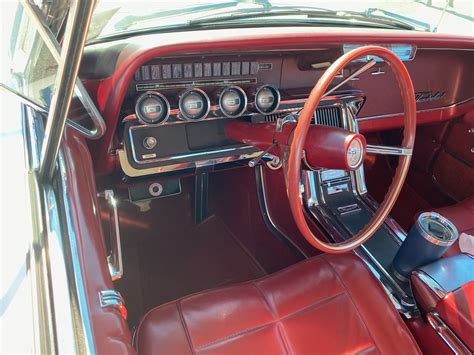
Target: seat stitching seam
303, 310
339, 277
223, 288
185, 327
275, 316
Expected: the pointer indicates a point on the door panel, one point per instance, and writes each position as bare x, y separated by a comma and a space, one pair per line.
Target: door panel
453, 167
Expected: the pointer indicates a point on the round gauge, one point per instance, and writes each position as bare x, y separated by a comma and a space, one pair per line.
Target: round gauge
194, 104
267, 99
233, 101
152, 108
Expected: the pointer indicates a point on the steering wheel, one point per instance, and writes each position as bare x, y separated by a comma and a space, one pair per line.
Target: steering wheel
297, 144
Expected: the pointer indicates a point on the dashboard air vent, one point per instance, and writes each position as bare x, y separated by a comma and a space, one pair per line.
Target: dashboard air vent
274, 117
328, 116
325, 116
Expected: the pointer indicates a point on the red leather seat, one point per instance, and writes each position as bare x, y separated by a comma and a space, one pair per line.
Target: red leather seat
462, 216
329, 304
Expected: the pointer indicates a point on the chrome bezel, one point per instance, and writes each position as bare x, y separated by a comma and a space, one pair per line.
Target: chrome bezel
278, 98
244, 105
145, 120
183, 116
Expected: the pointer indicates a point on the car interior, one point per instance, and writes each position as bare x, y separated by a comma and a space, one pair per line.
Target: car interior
256, 191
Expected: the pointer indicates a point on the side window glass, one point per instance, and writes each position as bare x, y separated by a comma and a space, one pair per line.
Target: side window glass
27, 64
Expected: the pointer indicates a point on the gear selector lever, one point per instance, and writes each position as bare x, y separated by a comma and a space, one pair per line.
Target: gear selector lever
252, 163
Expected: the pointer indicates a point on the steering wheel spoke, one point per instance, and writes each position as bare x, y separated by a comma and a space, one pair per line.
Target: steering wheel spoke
388, 150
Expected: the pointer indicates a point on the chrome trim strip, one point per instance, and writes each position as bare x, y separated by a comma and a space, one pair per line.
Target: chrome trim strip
431, 283
260, 178
83, 307
133, 172
448, 336
389, 115
194, 83
62, 303
114, 259
388, 150
181, 156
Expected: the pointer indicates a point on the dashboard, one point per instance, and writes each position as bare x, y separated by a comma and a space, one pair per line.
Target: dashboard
166, 99
176, 108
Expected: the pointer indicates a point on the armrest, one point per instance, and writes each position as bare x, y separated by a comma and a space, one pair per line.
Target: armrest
434, 281
445, 289
457, 310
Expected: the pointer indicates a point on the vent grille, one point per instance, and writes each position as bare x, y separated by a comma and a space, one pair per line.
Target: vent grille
328, 116
274, 117
324, 116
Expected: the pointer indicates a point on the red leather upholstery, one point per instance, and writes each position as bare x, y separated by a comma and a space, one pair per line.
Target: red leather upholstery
462, 216
328, 304
457, 310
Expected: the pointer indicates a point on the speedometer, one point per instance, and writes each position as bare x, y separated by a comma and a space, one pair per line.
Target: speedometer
152, 108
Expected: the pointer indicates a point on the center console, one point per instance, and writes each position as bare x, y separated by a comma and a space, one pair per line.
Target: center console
340, 203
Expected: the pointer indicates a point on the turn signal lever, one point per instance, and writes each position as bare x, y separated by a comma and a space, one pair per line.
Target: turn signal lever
325, 147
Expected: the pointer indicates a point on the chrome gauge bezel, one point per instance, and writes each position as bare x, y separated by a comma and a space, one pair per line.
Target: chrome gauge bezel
138, 111
243, 104
182, 113
278, 98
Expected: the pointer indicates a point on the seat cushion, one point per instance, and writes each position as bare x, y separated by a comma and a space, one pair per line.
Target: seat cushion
328, 304
462, 216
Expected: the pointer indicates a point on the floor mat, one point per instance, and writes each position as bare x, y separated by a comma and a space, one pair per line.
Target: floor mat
171, 257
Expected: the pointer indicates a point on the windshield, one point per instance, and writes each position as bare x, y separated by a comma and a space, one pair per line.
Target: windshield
112, 18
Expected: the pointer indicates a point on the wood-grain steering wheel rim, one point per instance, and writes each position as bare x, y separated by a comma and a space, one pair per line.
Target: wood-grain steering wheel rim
301, 130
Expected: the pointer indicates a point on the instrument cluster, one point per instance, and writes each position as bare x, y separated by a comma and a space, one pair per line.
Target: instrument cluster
194, 104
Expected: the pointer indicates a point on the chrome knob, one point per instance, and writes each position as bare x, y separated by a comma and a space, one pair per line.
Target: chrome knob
150, 143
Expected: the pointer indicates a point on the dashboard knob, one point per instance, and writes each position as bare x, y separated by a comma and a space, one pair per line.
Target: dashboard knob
150, 142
